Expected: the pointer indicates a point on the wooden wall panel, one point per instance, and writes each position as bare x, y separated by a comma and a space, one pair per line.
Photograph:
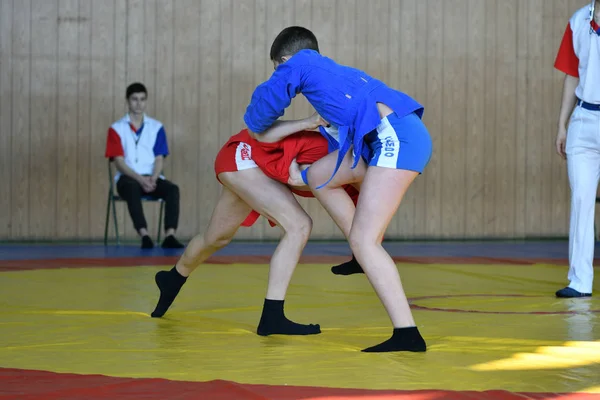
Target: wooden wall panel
489, 147
474, 205
416, 10
401, 38
106, 39
454, 119
21, 181
560, 210
84, 123
208, 130
66, 115
185, 138
6, 107
159, 56
550, 111
482, 68
505, 127
43, 138
433, 100
535, 122
521, 117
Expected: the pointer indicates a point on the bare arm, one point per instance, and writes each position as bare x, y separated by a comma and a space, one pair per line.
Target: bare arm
125, 170
158, 167
282, 129
568, 103
568, 100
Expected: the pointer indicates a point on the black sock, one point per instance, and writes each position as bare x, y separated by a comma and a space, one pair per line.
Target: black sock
348, 268
403, 339
147, 243
274, 322
171, 243
169, 283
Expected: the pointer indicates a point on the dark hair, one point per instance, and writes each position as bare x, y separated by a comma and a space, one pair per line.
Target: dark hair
136, 87
291, 40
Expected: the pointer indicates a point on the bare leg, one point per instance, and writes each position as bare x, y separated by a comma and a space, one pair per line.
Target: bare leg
333, 197
276, 202
382, 193
227, 216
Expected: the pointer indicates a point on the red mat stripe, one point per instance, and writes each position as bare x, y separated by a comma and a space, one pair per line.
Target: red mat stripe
31, 384
11, 265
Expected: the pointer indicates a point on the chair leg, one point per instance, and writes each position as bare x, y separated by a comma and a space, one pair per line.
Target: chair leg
107, 219
114, 207
160, 220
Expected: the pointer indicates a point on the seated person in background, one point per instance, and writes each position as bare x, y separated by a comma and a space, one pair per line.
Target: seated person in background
138, 146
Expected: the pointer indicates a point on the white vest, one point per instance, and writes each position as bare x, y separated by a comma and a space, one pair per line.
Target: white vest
138, 150
587, 49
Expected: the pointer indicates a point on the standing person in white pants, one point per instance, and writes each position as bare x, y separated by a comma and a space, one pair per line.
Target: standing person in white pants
579, 144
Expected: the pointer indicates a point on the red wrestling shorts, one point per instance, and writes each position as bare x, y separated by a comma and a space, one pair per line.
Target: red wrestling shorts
243, 152
236, 154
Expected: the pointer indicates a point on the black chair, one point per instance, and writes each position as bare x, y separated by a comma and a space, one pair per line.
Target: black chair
113, 198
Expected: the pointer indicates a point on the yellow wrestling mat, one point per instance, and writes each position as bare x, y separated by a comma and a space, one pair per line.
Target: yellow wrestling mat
488, 327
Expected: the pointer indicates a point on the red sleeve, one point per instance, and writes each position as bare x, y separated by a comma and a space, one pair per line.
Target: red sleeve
114, 148
566, 59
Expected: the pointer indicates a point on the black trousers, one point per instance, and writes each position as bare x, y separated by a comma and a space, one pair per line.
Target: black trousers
131, 191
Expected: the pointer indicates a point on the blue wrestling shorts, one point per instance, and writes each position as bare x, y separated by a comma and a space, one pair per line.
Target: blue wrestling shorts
398, 142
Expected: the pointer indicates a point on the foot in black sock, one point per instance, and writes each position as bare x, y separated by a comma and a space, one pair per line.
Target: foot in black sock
171, 243
147, 243
403, 339
348, 268
169, 283
274, 322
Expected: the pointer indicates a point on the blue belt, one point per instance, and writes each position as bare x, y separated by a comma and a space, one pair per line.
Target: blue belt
588, 106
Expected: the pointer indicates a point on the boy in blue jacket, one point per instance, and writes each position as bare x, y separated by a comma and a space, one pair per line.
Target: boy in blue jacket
390, 144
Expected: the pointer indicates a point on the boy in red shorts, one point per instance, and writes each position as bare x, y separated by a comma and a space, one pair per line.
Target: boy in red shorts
254, 181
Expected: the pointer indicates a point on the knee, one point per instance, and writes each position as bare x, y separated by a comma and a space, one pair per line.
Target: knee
305, 226
218, 241
130, 192
354, 241
174, 191
172, 194
300, 226
583, 197
359, 242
